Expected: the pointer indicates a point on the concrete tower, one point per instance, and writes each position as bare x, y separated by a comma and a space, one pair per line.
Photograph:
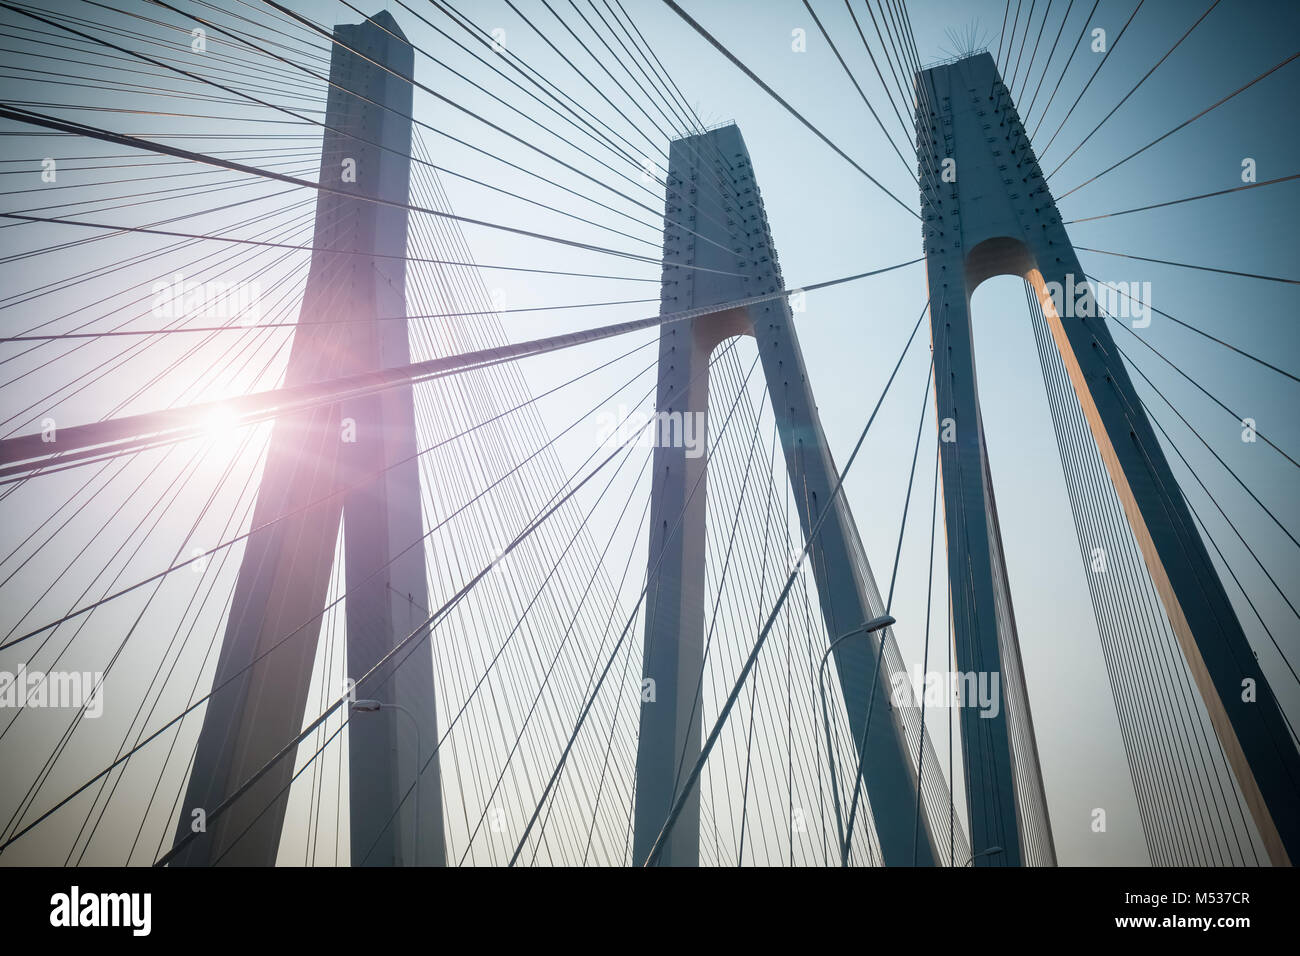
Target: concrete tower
336, 451
993, 215
714, 220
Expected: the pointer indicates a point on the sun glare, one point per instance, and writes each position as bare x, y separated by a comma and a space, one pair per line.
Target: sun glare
220, 424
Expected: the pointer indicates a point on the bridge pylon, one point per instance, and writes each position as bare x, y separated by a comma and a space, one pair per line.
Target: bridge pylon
334, 453
718, 248
987, 211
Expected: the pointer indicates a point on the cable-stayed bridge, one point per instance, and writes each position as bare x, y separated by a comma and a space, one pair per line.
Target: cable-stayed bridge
314, 554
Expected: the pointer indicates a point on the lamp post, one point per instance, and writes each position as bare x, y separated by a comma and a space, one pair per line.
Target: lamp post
374, 706
991, 851
870, 627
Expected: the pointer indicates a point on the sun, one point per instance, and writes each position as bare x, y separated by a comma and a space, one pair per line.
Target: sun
220, 425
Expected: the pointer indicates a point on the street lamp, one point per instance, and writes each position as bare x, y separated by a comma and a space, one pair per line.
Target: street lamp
374, 706
991, 851
870, 627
